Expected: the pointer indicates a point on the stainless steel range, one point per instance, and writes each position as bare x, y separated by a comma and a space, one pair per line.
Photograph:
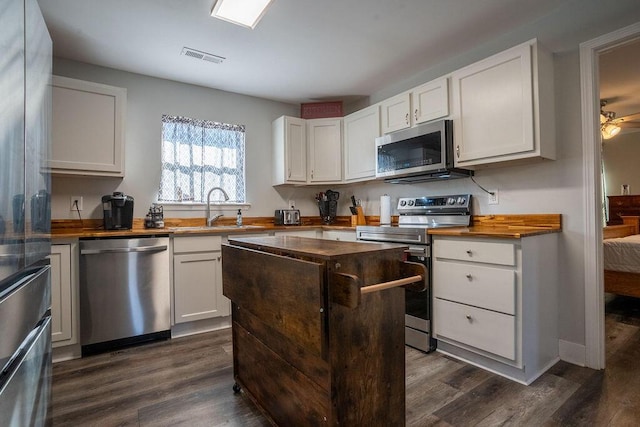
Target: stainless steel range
416, 216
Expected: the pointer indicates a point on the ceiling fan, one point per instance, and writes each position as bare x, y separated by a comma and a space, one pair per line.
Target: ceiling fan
610, 126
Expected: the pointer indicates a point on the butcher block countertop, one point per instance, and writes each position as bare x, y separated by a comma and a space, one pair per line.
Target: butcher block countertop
512, 226
318, 248
92, 228
505, 226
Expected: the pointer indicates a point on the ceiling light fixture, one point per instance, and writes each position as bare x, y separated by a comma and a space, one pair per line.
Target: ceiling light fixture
608, 124
609, 130
246, 13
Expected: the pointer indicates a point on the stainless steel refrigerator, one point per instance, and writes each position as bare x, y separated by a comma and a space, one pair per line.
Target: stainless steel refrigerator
25, 278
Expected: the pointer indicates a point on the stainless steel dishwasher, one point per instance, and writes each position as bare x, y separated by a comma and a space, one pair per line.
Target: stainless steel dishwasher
124, 292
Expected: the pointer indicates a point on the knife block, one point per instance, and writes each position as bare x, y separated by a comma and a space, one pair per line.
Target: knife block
359, 218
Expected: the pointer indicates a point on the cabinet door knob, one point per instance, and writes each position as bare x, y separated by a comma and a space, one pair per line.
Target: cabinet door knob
469, 318
469, 252
457, 151
406, 117
289, 173
468, 276
415, 114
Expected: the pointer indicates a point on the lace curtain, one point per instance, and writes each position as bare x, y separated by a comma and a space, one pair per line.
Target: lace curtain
198, 155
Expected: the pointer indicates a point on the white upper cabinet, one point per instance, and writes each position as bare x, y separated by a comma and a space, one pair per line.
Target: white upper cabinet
306, 151
430, 101
324, 141
289, 141
426, 102
360, 132
503, 108
88, 128
395, 113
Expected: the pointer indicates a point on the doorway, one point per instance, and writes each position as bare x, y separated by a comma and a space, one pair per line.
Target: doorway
594, 281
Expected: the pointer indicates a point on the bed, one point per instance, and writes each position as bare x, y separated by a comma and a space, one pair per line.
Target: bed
622, 257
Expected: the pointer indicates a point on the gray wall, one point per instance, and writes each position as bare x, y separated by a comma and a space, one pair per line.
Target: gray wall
620, 156
148, 99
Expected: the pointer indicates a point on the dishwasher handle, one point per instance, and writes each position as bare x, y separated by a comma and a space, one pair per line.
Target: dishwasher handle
158, 248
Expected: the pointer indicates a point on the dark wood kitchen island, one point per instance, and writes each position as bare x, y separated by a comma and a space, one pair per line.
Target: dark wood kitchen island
318, 328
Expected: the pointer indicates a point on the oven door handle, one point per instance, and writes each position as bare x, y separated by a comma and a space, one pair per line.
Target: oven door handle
417, 251
377, 238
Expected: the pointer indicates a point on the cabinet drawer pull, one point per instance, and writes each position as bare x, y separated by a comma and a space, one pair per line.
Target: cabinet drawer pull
469, 252
415, 114
289, 173
407, 118
458, 151
189, 261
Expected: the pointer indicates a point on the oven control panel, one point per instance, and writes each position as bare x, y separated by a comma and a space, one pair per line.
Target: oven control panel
460, 202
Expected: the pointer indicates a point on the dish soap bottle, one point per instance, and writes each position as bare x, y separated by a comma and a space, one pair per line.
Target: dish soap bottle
239, 218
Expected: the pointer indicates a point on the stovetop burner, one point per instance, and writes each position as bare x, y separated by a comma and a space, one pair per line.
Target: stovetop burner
417, 215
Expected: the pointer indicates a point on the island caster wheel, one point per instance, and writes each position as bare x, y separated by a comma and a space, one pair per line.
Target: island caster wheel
236, 388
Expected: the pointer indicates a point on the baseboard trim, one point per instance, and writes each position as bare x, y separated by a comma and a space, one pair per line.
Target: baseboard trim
572, 352
200, 326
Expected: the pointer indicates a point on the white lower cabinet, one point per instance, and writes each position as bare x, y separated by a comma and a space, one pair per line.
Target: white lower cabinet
64, 296
345, 236
495, 302
298, 233
197, 279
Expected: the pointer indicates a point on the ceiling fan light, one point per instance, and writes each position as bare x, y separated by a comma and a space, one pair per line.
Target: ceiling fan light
609, 131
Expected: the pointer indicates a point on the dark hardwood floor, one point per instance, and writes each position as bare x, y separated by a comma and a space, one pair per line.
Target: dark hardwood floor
187, 381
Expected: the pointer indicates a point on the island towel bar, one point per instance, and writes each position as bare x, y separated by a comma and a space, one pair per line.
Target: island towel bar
391, 284
347, 288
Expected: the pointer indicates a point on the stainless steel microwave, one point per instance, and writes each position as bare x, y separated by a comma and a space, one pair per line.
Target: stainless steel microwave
420, 153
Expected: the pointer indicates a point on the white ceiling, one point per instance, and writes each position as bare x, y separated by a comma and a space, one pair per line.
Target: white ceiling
302, 50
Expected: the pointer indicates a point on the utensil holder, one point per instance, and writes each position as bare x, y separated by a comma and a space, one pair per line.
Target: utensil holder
328, 210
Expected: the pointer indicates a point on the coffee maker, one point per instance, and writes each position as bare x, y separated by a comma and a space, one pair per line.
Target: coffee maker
118, 211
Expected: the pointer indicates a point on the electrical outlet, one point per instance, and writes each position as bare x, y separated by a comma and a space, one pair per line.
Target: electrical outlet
493, 198
291, 204
75, 199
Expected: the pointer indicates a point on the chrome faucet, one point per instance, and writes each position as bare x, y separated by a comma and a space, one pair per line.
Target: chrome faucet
211, 219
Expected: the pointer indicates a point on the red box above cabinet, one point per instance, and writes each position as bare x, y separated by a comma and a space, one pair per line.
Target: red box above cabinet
321, 110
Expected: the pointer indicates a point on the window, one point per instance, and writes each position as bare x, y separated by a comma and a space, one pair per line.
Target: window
198, 155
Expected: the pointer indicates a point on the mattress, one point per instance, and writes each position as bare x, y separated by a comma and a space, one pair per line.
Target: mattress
622, 254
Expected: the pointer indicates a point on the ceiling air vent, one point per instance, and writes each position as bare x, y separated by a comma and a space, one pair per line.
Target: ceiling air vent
197, 54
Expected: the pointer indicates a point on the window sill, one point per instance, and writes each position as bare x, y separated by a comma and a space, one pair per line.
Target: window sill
197, 206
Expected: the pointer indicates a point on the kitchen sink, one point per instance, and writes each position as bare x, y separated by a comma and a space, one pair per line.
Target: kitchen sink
215, 227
